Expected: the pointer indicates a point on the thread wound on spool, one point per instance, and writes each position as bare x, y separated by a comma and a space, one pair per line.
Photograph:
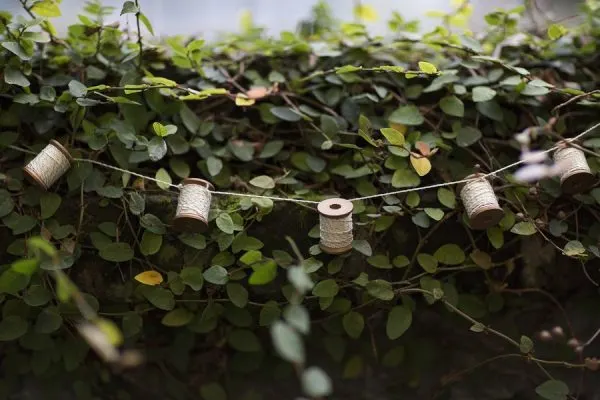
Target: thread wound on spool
335, 224
575, 173
49, 165
193, 206
480, 203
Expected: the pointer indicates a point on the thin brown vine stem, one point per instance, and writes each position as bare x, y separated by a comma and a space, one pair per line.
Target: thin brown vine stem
464, 315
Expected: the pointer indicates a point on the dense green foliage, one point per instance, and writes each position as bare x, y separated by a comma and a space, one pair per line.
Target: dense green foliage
324, 112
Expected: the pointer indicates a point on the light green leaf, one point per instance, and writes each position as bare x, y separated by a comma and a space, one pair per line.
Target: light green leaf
159, 297
13, 76
404, 178
163, 178
77, 89
380, 261
46, 8
264, 272
556, 31
263, 182
434, 213
446, 197
496, 237
525, 345
393, 136
574, 248
428, 68
225, 223
524, 228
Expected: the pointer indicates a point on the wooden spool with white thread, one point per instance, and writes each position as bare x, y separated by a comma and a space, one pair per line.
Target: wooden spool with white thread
193, 206
49, 165
335, 222
480, 203
575, 173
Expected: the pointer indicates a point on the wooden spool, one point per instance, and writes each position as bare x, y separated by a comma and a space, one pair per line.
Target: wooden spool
193, 206
49, 165
480, 203
335, 222
575, 173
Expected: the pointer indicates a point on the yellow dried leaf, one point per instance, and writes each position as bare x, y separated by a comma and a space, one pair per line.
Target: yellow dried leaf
421, 165
151, 278
243, 101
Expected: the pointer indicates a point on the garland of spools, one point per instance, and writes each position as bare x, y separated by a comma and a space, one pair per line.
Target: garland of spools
335, 215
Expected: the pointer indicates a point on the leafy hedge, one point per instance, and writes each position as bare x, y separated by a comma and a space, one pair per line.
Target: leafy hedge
324, 112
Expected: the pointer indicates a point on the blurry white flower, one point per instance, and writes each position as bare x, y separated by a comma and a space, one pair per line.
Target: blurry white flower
523, 138
532, 172
534, 157
99, 341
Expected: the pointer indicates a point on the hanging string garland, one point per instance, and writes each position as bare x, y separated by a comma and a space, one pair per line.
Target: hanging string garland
193, 206
335, 222
480, 202
575, 175
49, 165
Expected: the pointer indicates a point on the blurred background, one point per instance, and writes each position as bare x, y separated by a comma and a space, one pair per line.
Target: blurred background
209, 18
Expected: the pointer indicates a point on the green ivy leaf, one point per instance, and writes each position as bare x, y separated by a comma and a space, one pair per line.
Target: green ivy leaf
380, 261
393, 136
405, 178
556, 31
286, 114
225, 223
467, 135
192, 276
496, 237
244, 340
428, 68
12, 327
159, 297
483, 93
354, 323
163, 178
49, 203
553, 390
428, 262
398, 321
237, 294
77, 89
151, 243
177, 317
452, 105
46, 8
450, 254
117, 252
326, 288
407, 115
216, 275
48, 321
129, 7
574, 248
213, 391
13, 76
380, 289
362, 246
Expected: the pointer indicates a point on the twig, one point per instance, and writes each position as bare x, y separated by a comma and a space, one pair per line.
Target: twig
139, 41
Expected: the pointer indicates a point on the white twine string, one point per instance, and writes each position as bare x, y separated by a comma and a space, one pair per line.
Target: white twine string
572, 161
292, 200
477, 196
194, 200
49, 165
336, 233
